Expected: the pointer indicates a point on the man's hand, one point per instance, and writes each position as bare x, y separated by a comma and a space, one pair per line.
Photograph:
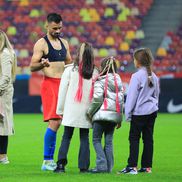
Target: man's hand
118, 126
45, 62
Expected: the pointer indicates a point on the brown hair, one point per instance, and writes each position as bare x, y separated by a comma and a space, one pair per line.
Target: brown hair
108, 65
85, 56
85, 63
144, 57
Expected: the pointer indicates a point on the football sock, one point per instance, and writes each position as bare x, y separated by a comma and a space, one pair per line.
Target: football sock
49, 144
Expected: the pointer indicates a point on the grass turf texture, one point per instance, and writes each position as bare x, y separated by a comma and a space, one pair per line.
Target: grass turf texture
26, 148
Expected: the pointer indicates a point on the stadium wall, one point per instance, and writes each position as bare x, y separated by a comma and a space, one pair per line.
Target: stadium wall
27, 100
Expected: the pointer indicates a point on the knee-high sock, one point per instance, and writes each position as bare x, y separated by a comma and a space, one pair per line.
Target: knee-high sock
49, 144
3, 144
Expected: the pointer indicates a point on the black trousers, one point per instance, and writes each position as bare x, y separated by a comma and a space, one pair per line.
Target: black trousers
141, 125
3, 144
84, 151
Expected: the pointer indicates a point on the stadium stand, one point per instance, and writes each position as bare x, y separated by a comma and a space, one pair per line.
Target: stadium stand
112, 26
169, 54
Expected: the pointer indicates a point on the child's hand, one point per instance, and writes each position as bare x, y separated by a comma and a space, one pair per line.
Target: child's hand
118, 126
128, 121
89, 117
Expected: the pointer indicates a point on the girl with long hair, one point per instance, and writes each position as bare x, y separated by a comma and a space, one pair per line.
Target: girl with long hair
141, 110
8, 65
73, 102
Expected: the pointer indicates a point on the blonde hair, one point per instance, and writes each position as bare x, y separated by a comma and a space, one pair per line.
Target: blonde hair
5, 43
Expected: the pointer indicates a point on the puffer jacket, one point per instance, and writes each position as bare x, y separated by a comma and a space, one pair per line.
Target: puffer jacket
96, 111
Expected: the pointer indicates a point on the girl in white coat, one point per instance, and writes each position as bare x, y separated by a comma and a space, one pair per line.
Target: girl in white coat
73, 102
7, 76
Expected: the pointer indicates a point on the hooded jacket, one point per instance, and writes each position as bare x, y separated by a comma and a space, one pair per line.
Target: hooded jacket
96, 110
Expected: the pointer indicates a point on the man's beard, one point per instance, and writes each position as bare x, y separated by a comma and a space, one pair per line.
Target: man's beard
56, 35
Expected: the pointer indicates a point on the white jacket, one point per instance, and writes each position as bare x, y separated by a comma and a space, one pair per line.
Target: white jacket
74, 113
6, 93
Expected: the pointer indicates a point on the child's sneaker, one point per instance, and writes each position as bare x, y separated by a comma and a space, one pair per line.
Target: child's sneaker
145, 170
4, 160
128, 170
48, 165
59, 169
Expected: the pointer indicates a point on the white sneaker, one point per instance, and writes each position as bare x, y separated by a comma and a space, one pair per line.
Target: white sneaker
48, 165
4, 160
128, 170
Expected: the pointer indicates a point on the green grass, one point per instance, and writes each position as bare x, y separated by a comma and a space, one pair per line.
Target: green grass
26, 148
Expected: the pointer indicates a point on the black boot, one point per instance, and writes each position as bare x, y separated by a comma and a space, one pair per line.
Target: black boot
59, 169
84, 170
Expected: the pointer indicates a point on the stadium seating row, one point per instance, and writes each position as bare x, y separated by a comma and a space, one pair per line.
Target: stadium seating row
113, 27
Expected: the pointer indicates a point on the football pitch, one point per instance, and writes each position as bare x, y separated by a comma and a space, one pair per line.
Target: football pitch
26, 150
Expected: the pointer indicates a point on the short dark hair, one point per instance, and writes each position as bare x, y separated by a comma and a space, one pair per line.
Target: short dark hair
54, 17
